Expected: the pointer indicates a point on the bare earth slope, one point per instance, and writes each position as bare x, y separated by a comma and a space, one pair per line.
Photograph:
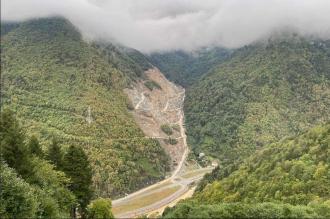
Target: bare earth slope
157, 107
153, 108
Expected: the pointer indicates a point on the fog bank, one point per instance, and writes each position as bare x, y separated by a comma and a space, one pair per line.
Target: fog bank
162, 25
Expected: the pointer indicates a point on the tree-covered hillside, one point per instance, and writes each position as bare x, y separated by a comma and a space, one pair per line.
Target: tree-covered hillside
31, 187
34, 183
252, 211
294, 170
129, 61
263, 93
62, 87
185, 68
289, 179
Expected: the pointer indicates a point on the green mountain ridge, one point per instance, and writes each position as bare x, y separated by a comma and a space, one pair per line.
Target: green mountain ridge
241, 113
58, 85
263, 93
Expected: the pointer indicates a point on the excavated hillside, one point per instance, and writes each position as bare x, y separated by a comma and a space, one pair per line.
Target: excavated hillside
158, 103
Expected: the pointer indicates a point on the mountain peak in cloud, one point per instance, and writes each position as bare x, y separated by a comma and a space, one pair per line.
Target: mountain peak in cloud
158, 25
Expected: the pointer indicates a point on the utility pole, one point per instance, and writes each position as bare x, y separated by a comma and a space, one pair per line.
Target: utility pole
2, 84
89, 117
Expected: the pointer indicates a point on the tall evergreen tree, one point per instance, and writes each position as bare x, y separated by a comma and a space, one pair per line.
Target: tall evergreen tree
55, 155
34, 147
77, 167
12, 147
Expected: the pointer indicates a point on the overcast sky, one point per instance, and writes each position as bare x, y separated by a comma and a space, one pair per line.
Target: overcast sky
153, 25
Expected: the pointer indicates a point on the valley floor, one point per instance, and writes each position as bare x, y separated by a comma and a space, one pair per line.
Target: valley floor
155, 198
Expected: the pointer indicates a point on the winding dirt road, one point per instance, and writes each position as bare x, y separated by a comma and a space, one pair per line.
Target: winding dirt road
184, 137
137, 106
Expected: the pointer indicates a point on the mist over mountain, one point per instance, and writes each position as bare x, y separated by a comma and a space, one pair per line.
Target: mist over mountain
155, 25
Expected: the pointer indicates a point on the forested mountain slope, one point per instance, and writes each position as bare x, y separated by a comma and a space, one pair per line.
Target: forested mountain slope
263, 93
31, 185
60, 86
185, 68
294, 171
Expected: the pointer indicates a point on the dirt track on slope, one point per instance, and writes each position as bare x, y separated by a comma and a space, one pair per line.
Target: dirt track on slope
158, 107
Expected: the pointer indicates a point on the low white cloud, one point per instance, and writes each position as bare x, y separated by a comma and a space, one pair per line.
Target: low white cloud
156, 25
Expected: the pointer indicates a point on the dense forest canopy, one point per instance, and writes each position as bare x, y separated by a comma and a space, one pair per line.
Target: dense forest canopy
34, 186
30, 185
287, 179
294, 170
185, 68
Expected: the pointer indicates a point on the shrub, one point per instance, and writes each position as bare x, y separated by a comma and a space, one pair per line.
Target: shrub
152, 84
176, 127
166, 129
171, 141
100, 208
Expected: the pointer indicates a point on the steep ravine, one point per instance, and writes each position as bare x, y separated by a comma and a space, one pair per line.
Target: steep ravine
152, 107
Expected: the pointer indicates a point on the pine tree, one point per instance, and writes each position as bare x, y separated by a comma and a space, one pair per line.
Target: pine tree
34, 147
55, 154
77, 167
13, 150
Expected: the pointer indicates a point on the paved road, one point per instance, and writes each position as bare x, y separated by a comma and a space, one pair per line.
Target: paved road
184, 183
